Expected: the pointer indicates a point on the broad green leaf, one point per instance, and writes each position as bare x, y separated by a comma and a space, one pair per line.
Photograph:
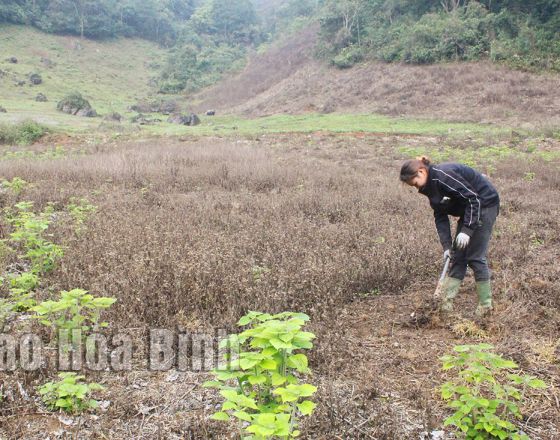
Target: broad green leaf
306, 407
242, 415
257, 380
299, 362
228, 404
244, 320
230, 395
93, 403
268, 364
279, 344
224, 417
277, 379
536, 383
304, 390
247, 364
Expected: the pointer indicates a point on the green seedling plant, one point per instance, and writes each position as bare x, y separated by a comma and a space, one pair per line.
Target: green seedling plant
74, 310
7, 309
29, 230
262, 380
70, 394
16, 185
485, 393
21, 288
79, 210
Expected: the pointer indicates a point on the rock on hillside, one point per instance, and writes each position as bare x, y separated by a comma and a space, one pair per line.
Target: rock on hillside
75, 104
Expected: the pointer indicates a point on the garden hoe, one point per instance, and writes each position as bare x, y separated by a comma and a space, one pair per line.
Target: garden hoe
439, 288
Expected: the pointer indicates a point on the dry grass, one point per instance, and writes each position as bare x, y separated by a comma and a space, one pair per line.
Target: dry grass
263, 71
181, 227
289, 80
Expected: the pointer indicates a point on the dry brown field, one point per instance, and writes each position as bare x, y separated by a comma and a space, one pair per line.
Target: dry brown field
182, 225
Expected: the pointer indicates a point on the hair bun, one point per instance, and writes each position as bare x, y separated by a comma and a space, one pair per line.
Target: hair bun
425, 160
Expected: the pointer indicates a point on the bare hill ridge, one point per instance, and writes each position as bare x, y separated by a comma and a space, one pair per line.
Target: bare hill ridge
287, 79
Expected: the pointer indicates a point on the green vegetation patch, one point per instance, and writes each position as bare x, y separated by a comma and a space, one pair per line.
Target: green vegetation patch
521, 34
22, 133
334, 122
486, 157
111, 75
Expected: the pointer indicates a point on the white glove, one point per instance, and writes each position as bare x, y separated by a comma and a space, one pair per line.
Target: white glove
447, 254
462, 240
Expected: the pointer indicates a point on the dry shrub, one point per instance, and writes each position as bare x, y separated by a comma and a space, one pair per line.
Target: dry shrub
181, 227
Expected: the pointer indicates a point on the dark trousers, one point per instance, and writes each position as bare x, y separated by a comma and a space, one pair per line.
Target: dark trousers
475, 254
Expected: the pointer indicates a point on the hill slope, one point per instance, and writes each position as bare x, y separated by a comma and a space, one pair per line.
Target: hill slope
112, 74
287, 79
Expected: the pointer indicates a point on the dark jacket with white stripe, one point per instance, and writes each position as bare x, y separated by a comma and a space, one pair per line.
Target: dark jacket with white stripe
458, 190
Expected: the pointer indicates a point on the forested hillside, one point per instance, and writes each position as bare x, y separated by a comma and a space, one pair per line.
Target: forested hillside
150, 19
523, 33
207, 38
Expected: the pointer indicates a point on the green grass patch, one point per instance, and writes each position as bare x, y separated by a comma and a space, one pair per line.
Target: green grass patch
333, 122
483, 157
22, 133
111, 75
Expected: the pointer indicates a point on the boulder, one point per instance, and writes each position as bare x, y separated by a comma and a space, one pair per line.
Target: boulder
40, 98
183, 119
3, 110
75, 104
12, 60
168, 107
195, 120
179, 118
35, 79
86, 112
20, 83
113, 116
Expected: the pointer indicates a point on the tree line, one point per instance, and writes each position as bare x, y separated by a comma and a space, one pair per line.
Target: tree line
157, 20
209, 37
523, 33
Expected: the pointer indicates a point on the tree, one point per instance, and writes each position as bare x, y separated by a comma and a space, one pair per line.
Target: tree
12, 11
233, 19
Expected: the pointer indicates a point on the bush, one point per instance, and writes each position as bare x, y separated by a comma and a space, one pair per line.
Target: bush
261, 380
191, 67
348, 57
484, 393
74, 99
22, 133
70, 393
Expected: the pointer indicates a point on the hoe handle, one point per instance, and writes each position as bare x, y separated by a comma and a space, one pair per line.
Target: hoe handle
445, 268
